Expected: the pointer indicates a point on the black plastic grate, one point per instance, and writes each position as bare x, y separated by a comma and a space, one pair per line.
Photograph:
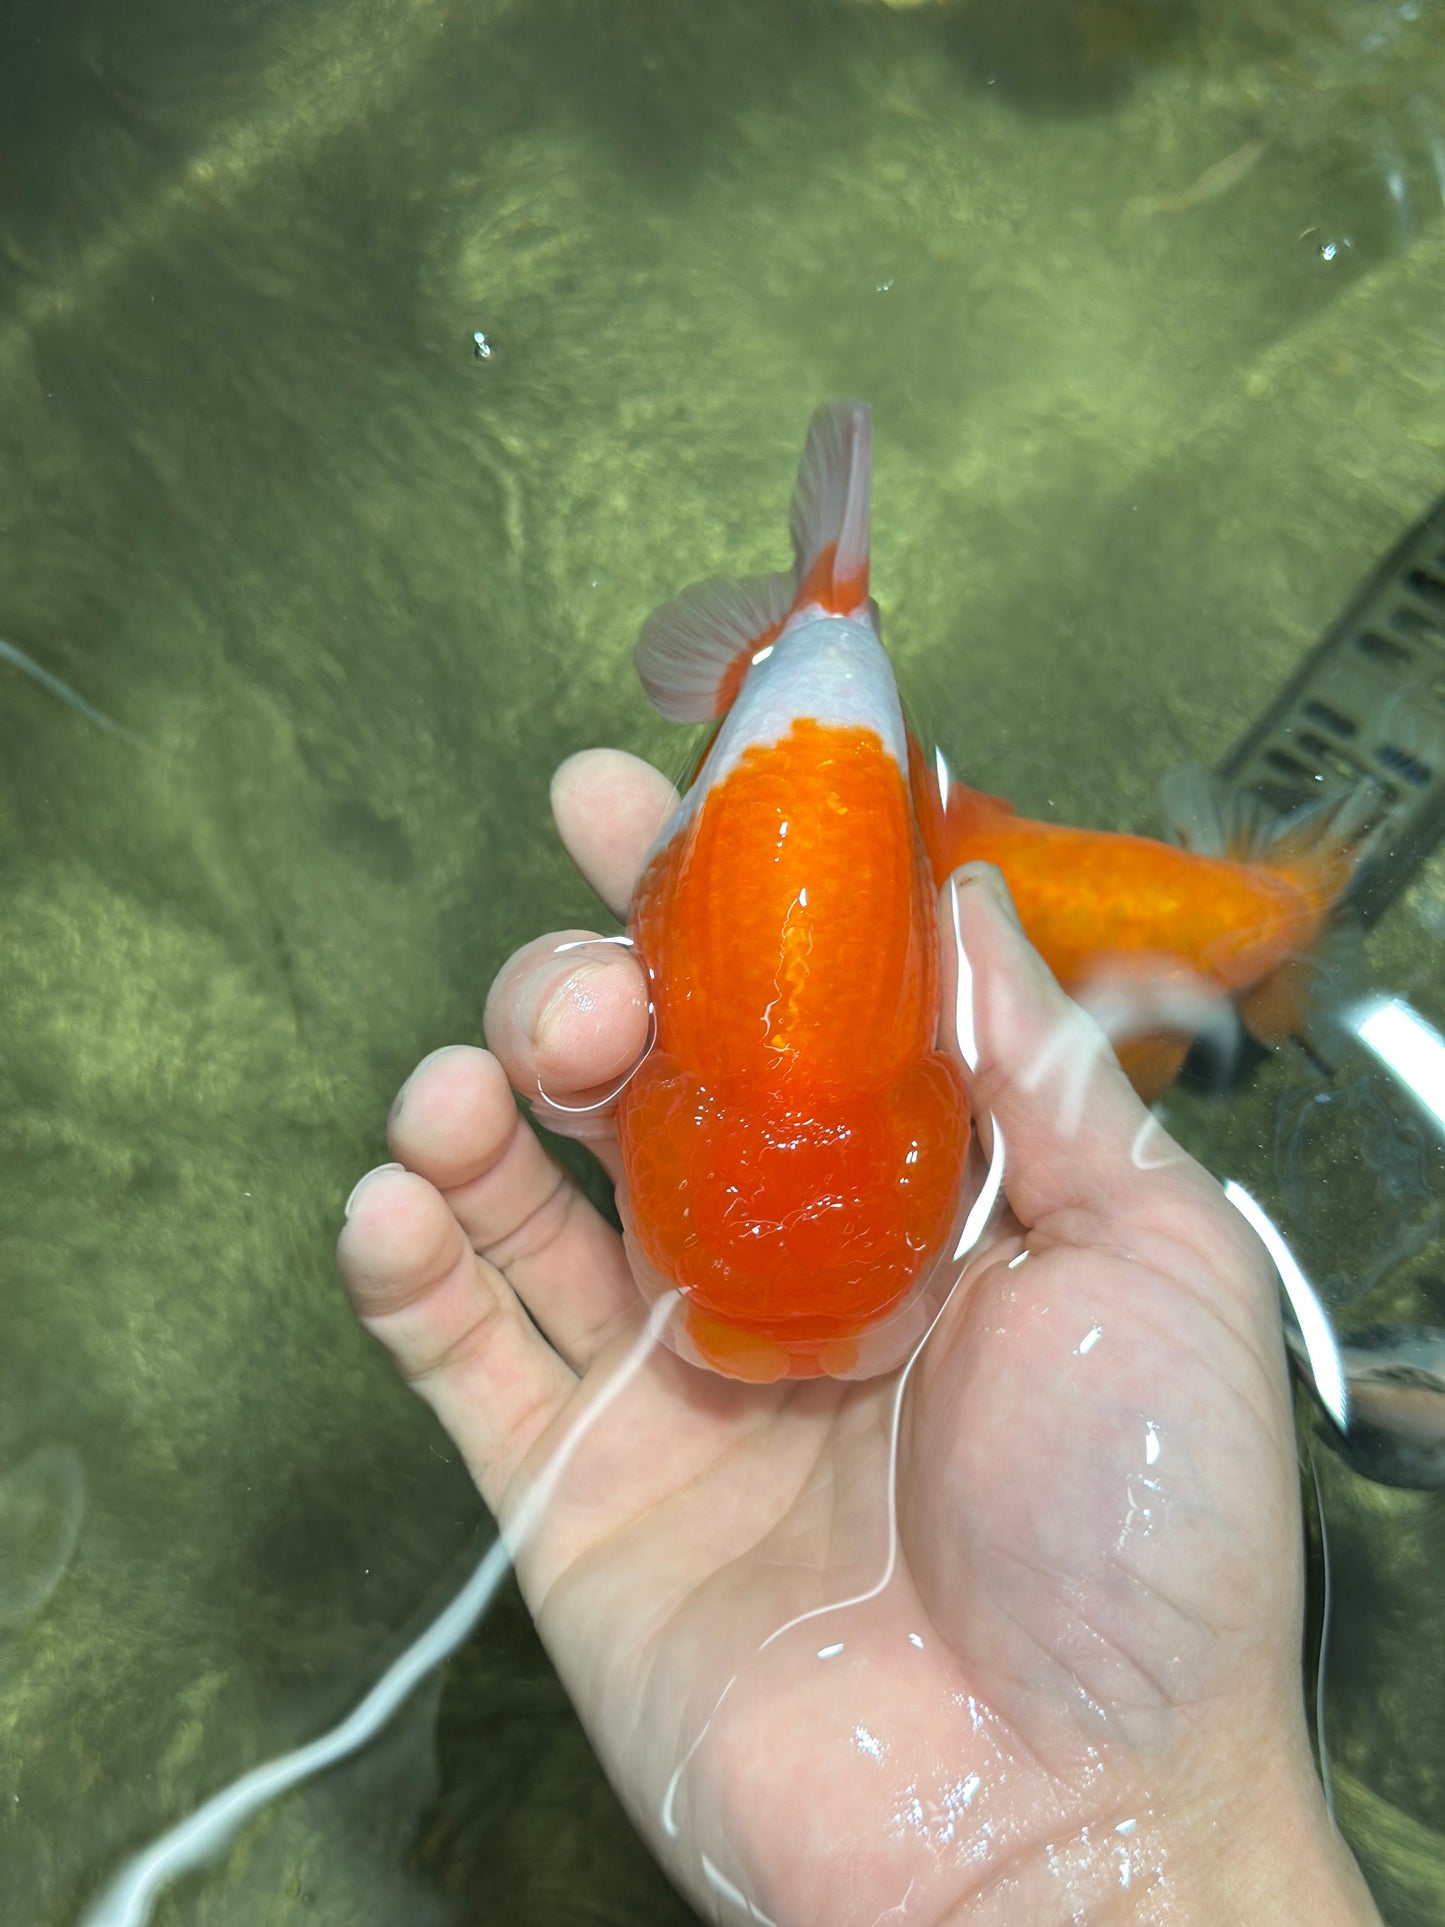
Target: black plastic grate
1369, 702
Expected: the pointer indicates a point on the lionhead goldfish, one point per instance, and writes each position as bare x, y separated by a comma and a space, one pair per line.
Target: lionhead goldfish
794, 1141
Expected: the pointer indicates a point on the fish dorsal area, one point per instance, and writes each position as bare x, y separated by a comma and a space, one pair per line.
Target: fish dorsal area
795, 1140
788, 917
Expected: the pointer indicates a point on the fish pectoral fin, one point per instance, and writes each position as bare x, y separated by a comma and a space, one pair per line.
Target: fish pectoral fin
693, 653
1152, 1009
1152, 1063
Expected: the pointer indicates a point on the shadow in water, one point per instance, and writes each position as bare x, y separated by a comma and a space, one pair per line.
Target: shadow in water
1067, 56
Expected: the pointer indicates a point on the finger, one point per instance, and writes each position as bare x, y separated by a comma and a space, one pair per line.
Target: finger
568, 1019
455, 1125
450, 1321
609, 806
1078, 1141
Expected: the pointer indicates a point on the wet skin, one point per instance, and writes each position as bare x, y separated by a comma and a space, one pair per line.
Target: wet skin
1077, 1697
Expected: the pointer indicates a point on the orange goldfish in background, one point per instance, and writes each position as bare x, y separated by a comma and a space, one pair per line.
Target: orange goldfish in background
1155, 932
793, 1144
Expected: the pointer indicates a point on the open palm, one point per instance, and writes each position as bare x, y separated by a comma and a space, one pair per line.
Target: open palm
1007, 1637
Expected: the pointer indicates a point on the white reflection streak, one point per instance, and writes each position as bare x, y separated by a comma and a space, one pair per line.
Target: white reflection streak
1407, 1046
963, 1024
1077, 1043
977, 1219
966, 1034
28, 666
1322, 1745
554, 1104
127, 1902
982, 1211
730, 1890
1141, 1159
973, 1230
1320, 1344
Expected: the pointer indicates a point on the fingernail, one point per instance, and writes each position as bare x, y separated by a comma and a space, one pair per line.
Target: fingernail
549, 996
361, 1184
992, 880
430, 1058
535, 991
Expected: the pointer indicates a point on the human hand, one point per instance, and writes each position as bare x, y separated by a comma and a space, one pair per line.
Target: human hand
1014, 1638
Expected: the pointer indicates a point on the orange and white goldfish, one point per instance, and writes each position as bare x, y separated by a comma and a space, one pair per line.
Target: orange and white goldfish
794, 1142
1158, 937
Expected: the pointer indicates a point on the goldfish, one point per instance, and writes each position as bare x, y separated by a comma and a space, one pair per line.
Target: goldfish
794, 1142
1159, 938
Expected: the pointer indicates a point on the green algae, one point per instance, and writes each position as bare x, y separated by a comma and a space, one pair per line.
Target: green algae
357, 593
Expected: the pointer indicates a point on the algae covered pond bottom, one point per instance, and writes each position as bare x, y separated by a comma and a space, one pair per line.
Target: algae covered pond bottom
1146, 302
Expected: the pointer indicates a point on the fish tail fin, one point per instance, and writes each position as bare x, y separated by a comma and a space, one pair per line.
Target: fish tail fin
831, 511
1318, 848
693, 653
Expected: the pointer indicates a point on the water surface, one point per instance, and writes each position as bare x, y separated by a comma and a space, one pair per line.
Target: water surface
1146, 300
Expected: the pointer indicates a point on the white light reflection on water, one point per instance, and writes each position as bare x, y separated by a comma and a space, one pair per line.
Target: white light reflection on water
1321, 1346
28, 666
128, 1901
730, 1890
1408, 1047
974, 1225
972, 1231
963, 1027
1145, 1160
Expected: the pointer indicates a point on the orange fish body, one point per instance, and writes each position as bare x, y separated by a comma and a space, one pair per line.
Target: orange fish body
794, 1142
1162, 926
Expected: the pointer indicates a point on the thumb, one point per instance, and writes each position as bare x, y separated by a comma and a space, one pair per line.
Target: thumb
1078, 1141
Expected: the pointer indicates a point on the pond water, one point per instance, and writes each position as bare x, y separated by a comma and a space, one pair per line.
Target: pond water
1146, 297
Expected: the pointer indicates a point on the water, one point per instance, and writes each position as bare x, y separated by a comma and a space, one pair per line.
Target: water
1146, 303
